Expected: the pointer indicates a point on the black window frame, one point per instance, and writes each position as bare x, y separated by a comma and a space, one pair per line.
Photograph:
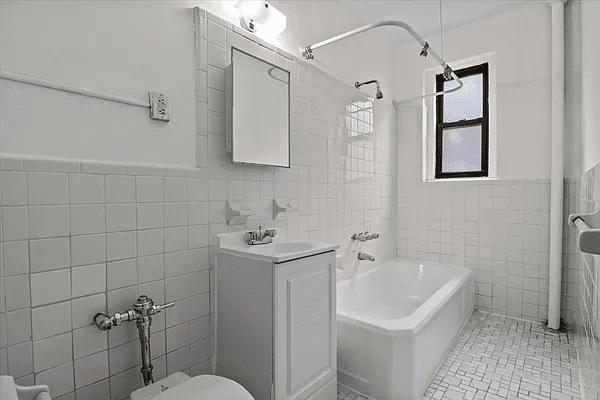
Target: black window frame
484, 122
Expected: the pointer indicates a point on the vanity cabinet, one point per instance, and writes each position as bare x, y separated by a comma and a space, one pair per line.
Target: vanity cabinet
276, 326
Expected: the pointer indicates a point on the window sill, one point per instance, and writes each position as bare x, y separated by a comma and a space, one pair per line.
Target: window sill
462, 179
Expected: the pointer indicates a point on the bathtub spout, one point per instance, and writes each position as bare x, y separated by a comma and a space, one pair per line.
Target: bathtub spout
365, 257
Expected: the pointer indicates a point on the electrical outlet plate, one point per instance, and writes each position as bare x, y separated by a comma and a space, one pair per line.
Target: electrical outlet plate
159, 107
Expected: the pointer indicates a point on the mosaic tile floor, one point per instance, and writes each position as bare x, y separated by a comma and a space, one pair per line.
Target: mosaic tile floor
498, 357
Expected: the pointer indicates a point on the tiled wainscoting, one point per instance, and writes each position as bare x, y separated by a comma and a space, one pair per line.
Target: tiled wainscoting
499, 229
587, 310
79, 238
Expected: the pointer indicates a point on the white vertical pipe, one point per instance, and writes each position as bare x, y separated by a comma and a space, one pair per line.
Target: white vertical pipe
557, 161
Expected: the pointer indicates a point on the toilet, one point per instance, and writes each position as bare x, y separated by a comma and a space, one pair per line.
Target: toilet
180, 386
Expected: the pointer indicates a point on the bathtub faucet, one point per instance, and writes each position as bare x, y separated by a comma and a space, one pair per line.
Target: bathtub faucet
365, 257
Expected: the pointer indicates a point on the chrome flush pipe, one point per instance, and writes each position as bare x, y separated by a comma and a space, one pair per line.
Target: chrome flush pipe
307, 51
141, 313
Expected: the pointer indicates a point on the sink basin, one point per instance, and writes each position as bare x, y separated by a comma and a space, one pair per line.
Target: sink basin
283, 247
280, 250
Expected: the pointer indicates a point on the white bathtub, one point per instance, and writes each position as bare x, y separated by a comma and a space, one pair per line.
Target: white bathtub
396, 323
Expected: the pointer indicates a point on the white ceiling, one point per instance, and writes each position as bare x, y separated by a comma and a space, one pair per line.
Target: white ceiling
424, 15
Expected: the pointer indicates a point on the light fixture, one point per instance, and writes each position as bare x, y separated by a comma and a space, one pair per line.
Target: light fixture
260, 16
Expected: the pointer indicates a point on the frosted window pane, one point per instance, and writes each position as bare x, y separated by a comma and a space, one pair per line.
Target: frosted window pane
461, 149
465, 103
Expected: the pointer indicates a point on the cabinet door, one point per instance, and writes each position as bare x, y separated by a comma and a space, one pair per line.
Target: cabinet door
305, 326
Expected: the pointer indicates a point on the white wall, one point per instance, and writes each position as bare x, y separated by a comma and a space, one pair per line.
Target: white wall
521, 40
125, 48
590, 83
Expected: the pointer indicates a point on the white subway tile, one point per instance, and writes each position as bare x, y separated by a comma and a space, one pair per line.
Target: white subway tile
198, 236
14, 188
176, 263
121, 299
48, 221
87, 219
176, 239
20, 359
51, 320
86, 189
88, 280
16, 258
120, 189
124, 357
50, 287
84, 309
91, 369
175, 189
178, 360
49, 254
120, 217
47, 188
176, 214
89, 340
60, 379
14, 223
11, 162
99, 390
18, 326
178, 337
50, 164
150, 242
53, 351
151, 268
123, 384
149, 189
16, 290
88, 249
197, 213
150, 215
120, 245
121, 274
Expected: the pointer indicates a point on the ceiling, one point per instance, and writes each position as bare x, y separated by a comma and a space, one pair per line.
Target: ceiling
424, 15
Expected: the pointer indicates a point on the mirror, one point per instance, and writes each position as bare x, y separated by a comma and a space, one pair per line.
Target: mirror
258, 111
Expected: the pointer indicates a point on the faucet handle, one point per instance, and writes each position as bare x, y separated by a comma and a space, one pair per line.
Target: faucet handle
159, 308
270, 232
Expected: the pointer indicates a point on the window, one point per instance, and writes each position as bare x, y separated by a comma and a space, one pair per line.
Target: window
467, 118
359, 118
462, 125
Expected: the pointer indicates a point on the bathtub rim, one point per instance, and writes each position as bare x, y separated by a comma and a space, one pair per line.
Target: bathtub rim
411, 324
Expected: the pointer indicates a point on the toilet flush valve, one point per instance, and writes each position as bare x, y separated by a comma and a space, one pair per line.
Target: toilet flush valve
142, 311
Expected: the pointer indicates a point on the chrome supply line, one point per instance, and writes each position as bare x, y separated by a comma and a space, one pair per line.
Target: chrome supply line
307, 52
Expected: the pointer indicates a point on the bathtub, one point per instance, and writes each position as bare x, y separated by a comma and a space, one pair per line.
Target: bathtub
397, 322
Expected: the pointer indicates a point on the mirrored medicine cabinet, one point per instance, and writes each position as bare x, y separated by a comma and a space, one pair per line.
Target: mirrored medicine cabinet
257, 111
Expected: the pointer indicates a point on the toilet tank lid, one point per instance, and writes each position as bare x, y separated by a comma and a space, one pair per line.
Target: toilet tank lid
205, 387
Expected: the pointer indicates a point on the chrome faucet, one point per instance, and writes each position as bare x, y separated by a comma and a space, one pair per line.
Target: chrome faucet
363, 237
365, 257
260, 237
141, 313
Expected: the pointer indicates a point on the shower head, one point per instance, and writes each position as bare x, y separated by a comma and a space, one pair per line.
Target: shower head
378, 93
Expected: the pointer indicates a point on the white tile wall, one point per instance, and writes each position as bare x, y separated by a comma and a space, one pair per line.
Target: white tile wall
583, 276
74, 244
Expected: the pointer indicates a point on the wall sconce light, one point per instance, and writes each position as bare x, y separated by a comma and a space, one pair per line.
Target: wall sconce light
260, 16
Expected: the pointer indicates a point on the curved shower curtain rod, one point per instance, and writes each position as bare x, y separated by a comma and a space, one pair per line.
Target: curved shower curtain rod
307, 52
